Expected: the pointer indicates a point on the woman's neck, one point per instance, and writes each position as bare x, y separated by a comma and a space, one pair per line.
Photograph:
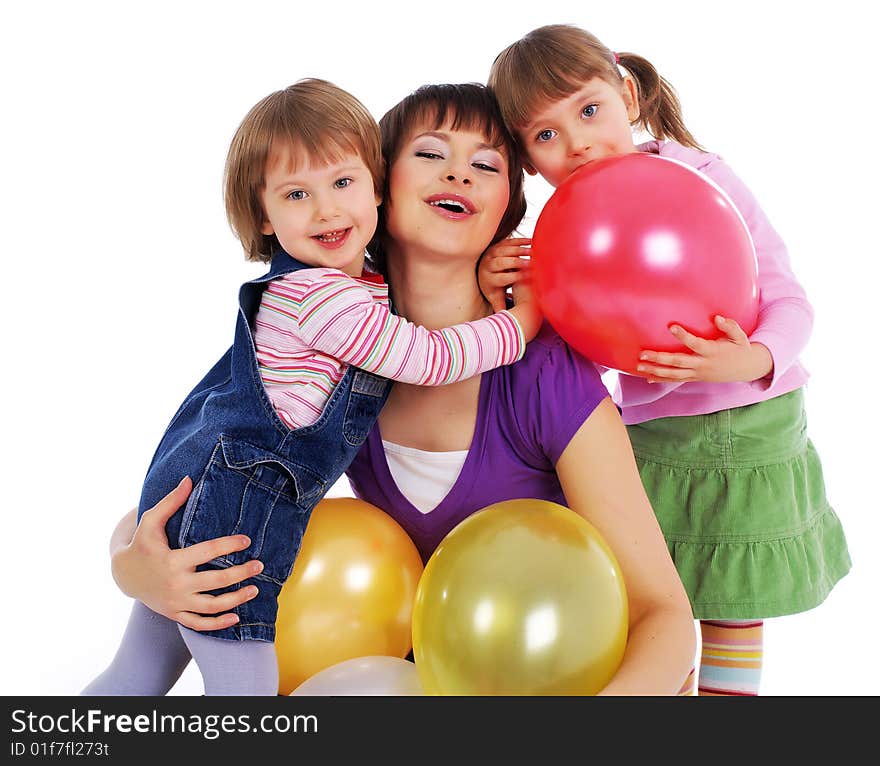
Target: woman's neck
435, 291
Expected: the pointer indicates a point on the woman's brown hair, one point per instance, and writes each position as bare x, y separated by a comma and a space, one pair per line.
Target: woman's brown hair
468, 106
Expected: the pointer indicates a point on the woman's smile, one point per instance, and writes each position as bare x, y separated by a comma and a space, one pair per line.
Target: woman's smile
460, 177
455, 207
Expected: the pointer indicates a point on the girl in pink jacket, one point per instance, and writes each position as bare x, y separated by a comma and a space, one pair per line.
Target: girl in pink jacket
719, 431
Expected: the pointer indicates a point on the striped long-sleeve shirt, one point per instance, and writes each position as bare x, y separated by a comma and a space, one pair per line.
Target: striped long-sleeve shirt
313, 323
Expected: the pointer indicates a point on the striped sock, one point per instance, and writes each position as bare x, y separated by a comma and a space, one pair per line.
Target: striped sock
730, 664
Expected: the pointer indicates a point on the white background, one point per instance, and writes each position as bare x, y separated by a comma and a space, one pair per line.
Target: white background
116, 123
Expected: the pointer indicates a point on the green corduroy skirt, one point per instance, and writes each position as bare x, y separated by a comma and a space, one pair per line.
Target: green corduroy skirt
740, 498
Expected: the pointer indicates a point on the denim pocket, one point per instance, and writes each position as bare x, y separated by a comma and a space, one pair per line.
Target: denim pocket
364, 403
252, 491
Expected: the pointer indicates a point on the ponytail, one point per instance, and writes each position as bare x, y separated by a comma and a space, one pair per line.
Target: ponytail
659, 107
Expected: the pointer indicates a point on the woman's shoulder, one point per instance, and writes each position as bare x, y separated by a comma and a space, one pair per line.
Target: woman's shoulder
547, 354
539, 402
543, 346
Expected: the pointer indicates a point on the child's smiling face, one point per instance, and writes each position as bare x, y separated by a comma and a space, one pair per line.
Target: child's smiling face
322, 214
592, 123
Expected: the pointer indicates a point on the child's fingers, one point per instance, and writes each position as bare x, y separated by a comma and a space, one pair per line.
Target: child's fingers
202, 553
695, 343
514, 277
731, 328
676, 374
159, 514
513, 245
501, 280
667, 359
207, 604
200, 623
507, 251
223, 578
507, 263
513, 242
491, 280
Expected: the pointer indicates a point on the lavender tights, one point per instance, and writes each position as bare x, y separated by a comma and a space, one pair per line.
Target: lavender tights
155, 650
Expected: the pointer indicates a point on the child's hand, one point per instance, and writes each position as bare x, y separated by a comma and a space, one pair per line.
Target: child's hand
725, 360
500, 267
523, 290
166, 580
525, 304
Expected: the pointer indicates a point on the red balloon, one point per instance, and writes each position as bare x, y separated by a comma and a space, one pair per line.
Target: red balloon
628, 246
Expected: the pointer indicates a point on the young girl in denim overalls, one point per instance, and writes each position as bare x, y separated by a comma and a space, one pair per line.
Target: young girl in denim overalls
718, 430
280, 417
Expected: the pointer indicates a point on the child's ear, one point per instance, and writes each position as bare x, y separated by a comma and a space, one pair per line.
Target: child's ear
267, 228
631, 98
529, 168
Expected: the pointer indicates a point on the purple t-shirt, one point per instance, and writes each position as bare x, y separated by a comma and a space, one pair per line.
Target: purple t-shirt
526, 415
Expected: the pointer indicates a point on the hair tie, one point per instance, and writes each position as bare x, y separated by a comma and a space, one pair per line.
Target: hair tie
616, 58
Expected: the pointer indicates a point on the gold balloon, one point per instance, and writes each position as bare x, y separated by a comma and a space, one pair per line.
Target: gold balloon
350, 593
523, 597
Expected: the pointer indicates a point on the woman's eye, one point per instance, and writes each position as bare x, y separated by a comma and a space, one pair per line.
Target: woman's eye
589, 110
297, 194
545, 135
341, 183
428, 155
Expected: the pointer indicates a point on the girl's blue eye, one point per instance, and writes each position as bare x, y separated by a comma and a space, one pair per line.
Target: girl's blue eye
297, 194
589, 110
428, 155
545, 135
341, 183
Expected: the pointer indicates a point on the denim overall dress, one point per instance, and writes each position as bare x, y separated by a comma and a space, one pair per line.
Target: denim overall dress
251, 473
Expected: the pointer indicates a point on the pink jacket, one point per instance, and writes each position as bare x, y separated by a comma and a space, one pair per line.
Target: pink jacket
785, 317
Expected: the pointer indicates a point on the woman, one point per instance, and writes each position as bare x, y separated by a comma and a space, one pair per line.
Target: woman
544, 427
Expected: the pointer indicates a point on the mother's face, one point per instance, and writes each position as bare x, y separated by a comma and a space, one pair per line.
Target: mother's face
448, 190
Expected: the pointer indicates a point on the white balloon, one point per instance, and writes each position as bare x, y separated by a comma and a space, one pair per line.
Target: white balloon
375, 676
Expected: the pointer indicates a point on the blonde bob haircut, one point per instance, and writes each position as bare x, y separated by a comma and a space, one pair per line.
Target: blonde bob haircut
311, 118
553, 62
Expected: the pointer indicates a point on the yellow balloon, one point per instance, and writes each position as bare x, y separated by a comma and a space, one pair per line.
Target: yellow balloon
523, 597
350, 593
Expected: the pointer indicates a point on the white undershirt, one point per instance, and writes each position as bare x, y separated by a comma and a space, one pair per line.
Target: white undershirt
423, 478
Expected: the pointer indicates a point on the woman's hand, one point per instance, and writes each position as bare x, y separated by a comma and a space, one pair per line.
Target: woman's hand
725, 360
166, 580
500, 267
